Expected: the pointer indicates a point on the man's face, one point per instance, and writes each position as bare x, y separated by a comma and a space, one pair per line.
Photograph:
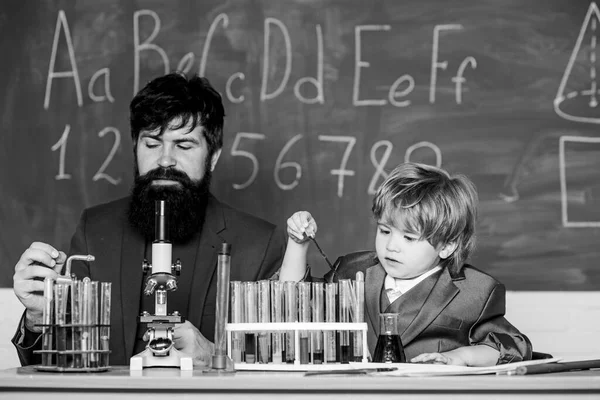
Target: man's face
175, 167
179, 149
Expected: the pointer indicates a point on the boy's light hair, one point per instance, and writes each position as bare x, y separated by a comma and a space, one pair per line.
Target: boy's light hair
427, 201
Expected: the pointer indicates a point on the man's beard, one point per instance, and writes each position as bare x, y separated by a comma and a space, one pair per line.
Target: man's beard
186, 203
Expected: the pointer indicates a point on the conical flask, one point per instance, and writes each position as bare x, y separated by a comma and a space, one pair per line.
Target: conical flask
389, 347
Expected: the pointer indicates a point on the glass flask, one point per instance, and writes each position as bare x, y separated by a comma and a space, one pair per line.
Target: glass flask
389, 346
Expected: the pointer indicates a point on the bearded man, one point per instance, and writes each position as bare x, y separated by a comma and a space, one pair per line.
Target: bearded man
177, 132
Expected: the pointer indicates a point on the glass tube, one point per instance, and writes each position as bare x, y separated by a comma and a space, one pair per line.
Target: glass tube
237, 316
291, 315
264, 316
47, 321
76, 321
330, 316
105, 304
317, 316
61, 293
304, 316
345, 307
94, 331
219, 360
251, 317
277, 316
359, 314
85, 319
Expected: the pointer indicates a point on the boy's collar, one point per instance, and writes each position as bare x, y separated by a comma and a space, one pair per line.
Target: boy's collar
456, 274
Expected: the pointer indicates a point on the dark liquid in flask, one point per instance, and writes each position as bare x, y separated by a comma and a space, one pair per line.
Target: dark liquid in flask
389, 350
318, 357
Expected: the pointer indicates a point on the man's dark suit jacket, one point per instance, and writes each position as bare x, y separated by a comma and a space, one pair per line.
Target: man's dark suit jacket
440, 313
257, 249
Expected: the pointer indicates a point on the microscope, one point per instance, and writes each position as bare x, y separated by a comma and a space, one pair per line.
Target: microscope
160, 350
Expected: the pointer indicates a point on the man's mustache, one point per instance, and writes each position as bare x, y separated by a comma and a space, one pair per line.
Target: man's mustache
166, 174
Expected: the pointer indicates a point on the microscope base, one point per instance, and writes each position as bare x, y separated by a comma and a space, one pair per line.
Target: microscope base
147, 359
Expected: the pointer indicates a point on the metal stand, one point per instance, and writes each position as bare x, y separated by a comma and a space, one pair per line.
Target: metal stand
160, 351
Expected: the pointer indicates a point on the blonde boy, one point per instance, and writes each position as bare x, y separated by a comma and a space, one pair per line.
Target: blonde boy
450, 312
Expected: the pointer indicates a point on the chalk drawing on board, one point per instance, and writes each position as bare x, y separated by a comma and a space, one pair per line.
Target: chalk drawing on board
563, 181
573, 101
510, 191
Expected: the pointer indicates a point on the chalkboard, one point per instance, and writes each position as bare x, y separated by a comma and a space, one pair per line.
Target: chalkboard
322, 98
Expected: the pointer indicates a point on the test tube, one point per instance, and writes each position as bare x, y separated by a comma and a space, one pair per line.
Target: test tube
93, 321
345, 307
291, 315
61, 293
251, 317
47, 321
237, 316
330, 316
219, 360
264, 316
317, 316
359, 314
105, 300
304, 315
85, 322
277, 316
76, 321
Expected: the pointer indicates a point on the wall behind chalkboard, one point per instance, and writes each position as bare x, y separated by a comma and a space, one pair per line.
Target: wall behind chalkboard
322, 98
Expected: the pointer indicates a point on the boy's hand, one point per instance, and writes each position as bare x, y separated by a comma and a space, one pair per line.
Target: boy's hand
301, 226
438, 358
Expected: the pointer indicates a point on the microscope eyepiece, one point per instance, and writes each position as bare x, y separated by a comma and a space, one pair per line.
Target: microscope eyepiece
225, 249
161, 226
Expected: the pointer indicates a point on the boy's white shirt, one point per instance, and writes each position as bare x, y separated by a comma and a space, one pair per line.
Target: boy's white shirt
394, 288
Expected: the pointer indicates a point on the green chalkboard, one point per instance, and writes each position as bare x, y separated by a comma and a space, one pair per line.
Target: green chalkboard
322, 98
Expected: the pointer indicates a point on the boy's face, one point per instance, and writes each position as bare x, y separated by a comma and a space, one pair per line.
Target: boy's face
402, 254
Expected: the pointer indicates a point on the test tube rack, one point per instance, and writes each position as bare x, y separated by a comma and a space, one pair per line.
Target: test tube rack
75, 324
296, 327
74, 360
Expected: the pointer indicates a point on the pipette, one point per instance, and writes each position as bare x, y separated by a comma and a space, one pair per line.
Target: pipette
322, 252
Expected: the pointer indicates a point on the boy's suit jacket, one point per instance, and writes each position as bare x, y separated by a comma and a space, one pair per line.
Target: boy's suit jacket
257, 249
439, 314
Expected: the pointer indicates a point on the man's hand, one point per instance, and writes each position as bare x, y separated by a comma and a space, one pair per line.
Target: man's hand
190, 341
39, 261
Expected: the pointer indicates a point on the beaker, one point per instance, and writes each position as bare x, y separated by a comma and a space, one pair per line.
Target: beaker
389, 346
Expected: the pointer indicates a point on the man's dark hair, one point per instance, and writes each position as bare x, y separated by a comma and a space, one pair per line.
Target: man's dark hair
175, 96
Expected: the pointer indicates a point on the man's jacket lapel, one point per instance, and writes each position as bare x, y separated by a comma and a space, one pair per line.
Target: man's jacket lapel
132, 257
206, 260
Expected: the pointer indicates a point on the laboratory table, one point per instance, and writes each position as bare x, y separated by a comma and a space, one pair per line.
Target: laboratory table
164, 383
